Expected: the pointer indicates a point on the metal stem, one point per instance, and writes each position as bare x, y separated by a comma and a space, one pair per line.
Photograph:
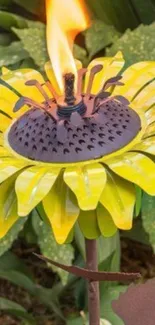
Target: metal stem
93, 287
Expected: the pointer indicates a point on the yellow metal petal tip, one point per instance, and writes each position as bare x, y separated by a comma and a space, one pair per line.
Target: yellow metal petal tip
5, 70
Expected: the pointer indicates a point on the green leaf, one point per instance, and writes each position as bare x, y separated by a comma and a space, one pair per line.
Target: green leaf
19, 279
119, 13
34, 42
80, 293
12, 54
6, 304
28, 232
98, 36
80, 54
145, 10
13, 270
33, 39
5, 39
111, 264
10, 261
138, 200
9, 20
110, 294
7, 241
5, 3
97, 8
137, 233
46, 296
28, 63
137, 45
50, 248
108, 246
75, 321
36, 6
148, 217
17, 310
79, 239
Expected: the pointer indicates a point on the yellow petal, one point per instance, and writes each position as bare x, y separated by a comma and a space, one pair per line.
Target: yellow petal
50, 74
134, 78
1, 139
7, 100
62, 210
32, 186
87, 183
150, 130
150, 115
7, 103
111, 67
4, 152
4, 122
136, 168
5, 70
6, 106
9, 167
16, 79
88, 224
118, 197
105, 222
145, 98
147, 145
8, 206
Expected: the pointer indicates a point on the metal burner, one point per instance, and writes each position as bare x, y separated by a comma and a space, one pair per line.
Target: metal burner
88, 128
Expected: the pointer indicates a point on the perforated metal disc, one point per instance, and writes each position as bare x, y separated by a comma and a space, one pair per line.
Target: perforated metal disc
34, 135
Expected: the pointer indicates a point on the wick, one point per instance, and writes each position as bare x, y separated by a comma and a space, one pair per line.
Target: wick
69, 80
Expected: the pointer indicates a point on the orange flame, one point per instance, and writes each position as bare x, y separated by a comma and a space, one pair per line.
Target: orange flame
65, 19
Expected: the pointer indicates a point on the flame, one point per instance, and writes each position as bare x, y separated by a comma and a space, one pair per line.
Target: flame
65, 19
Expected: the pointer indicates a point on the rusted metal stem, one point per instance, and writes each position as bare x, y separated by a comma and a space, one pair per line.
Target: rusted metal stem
93, 286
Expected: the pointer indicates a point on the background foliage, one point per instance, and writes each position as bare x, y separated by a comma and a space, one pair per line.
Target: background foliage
117, 25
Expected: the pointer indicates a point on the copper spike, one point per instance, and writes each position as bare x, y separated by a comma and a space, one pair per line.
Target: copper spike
51, 89
39, 86
97, 68
26, 101
81, 74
